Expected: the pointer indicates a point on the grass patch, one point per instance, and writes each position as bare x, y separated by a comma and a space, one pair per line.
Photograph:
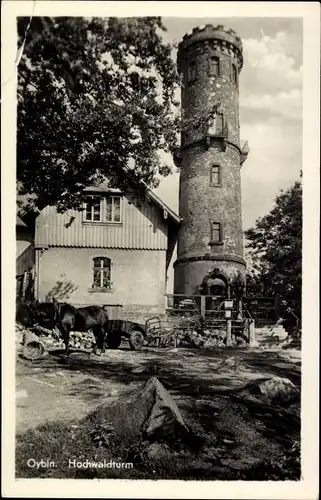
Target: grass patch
61, 443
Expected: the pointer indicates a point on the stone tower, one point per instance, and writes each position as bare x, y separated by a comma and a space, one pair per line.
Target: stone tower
210, 243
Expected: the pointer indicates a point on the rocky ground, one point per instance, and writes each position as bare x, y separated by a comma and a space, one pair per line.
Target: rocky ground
244, 403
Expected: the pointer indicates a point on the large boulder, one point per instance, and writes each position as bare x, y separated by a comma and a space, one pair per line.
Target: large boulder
148, 413
272, 389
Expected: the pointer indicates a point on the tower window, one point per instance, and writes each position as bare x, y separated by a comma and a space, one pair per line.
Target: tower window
214, 66
215, 124
219, 123
216, 232
215, 175
234, 74
191, 72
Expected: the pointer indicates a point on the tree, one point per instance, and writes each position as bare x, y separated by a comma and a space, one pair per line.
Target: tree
95, 97
275, 249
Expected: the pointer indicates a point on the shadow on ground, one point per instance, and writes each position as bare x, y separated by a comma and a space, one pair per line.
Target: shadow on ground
243, 433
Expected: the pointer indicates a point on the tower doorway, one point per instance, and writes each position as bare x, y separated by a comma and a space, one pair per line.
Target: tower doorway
217, 287
215, 284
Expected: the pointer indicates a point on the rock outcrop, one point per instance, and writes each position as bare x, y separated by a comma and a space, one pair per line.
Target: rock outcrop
149, 413
272, 389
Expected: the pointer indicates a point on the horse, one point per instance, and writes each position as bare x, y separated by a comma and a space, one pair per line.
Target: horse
32, 313
69, 318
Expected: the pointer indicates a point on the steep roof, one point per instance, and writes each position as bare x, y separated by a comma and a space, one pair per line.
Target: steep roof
104, 188
176, 218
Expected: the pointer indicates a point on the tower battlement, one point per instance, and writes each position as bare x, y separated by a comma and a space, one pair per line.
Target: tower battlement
213, 38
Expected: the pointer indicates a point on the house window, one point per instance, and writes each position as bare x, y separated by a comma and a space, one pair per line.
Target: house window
101, 209
216, 175
113, 209
216, 236
101, 273
214, 66
234, 74
191, 72
93, 209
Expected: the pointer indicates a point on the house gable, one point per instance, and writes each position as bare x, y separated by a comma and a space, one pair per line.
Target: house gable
143, 225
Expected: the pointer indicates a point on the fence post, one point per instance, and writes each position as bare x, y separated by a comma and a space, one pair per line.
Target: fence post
228, 332
252, 332
24, 285
203, 306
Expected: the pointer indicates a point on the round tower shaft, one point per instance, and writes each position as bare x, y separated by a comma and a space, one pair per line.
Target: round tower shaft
210, 243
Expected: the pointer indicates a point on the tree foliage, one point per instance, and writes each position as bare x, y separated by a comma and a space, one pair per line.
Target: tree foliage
275, 249
95, 96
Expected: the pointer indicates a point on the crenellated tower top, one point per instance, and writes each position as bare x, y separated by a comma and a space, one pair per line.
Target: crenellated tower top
214, 38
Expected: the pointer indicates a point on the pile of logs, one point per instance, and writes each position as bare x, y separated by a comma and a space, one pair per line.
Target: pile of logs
49, 338
79, 340
187, 337
205, 338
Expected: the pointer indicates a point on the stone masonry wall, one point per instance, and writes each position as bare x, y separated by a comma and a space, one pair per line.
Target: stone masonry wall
189, 275
200, 202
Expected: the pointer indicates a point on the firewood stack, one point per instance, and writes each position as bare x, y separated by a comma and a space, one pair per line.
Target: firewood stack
82, 340
187, 337
78, 340
204, 338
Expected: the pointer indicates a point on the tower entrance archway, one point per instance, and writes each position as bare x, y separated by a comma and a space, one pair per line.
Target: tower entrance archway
217, 287
215, 284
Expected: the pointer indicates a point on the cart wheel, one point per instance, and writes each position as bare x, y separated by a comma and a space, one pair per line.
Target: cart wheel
136, 340
113, 340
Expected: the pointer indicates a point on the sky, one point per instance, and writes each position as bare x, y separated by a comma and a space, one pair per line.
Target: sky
270, 108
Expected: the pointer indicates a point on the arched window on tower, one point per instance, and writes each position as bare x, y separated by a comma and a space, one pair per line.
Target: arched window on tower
214, 66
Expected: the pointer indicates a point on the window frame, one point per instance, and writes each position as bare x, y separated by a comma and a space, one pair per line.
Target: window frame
220, 233
86, 203
103, 209
113, 197
192, 72
212, 130
101, 269
211, 66
219, 174
234, 75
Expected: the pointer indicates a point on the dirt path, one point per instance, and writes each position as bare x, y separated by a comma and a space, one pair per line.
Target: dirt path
243, 437
60, 389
